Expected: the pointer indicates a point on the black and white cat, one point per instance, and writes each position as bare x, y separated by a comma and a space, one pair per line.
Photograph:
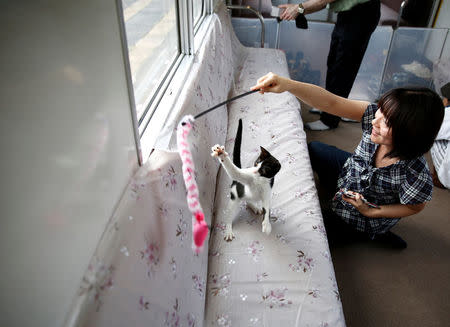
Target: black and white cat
253, 185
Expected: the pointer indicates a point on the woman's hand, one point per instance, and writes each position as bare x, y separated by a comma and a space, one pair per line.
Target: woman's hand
358, 203
271, 83
290, 11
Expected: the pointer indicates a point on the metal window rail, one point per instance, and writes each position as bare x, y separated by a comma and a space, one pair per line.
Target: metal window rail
258, 14
400, 13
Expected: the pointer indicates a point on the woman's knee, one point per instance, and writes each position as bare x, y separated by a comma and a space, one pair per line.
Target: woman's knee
315, 147
318, 155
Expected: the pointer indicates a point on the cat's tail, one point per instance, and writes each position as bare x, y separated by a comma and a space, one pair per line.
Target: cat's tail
237, 146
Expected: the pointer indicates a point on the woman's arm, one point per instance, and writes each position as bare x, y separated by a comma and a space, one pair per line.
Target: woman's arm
291, 10
313, 95
384, 211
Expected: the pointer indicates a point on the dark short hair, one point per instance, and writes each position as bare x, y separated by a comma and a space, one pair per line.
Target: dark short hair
445, 90
415, 116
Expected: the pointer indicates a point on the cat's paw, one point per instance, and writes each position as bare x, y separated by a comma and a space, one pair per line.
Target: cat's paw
256, 210
218, 151
266, 226
229, 235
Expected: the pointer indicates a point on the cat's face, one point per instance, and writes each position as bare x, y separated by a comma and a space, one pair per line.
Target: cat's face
269, 165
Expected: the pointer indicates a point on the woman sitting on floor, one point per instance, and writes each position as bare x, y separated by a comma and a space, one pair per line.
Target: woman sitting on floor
387, 168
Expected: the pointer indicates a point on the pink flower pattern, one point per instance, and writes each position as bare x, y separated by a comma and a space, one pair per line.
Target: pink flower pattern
143, 304
99, 280
276, 298
219, 228
314, 293
169, 179
191, 320
182, 229
259, 277
304, 263
290, 158
173, 267
221, 284
223, 321
151, 255
136, 189
282, 238
172, 318
278, 215
199, 285
255, 249
320, 229
163, 211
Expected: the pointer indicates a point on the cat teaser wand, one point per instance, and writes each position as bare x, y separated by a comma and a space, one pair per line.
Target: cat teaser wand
199, 227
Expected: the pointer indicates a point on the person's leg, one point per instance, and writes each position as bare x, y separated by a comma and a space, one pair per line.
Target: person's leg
326, 120
338, 231
348, 45
327, 161
332, 78
390, 239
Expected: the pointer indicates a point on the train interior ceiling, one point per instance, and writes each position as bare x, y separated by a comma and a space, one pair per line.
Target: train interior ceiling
93, 89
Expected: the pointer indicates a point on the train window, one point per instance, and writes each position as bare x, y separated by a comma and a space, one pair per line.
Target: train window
159, 37
198, 11
153, 46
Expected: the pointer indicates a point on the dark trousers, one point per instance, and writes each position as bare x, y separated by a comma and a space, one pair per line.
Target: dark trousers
349, 42
327, 161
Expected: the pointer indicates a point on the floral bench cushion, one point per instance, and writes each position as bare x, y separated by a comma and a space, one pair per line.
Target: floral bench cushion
285, 278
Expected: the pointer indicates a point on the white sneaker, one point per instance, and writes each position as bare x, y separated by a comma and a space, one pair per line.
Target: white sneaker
316, 126
315, 111
348, 120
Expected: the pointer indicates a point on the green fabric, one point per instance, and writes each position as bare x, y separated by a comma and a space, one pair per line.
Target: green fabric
343, 5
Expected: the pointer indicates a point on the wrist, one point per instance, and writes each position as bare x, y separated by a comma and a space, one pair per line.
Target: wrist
372, 212
289, 84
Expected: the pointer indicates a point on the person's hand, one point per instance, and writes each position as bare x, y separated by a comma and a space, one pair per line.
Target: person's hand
356, 200
290, 11
271, 83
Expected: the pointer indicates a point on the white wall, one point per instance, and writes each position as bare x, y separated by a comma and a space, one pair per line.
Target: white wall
67, 149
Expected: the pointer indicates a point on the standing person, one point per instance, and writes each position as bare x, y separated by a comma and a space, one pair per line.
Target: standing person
440, 152
356, 21
387, 175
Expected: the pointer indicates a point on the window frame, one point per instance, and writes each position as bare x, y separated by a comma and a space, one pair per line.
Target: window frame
198, 23
147, 128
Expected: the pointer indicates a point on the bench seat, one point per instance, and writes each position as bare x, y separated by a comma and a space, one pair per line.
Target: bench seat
144, 271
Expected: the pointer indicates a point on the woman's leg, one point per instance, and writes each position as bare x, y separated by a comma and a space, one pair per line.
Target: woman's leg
327, 161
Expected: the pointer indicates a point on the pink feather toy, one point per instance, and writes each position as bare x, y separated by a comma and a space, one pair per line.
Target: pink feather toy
199, 227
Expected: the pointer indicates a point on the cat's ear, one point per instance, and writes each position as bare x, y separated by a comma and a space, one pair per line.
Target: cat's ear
264, 152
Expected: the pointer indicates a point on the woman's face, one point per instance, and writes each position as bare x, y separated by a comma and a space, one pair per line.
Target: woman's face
381, 133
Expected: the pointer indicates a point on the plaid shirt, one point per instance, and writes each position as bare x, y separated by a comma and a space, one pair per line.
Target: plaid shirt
405, 182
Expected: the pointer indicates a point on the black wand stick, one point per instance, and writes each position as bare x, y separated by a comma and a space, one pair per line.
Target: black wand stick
225, 102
